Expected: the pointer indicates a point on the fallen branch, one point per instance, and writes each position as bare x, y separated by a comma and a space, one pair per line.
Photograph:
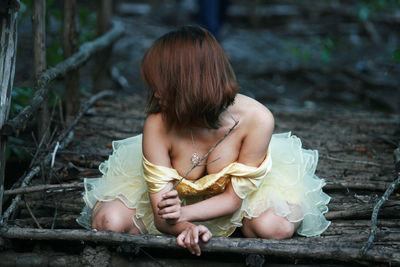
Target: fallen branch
352, 161
391, 223
63, 151
297, 248
359, 185
15, 201
378, 205
61, 206
32, 189
41, 87
82, 111
359, 211
62, 221
47, 158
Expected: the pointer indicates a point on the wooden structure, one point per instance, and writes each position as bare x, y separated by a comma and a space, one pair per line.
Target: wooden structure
355, 180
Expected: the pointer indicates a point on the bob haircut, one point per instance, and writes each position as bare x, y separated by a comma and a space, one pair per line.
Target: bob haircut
190, 75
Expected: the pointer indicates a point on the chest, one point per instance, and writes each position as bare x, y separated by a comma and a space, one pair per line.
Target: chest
183, 150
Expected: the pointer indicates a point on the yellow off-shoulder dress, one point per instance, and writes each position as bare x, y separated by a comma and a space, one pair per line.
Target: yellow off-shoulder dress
285, 180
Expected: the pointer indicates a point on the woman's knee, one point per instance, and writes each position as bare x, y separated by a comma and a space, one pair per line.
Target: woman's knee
281, 231
267, 227
108, 220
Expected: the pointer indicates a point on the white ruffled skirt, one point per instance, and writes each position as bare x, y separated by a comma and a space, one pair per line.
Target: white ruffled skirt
290, 187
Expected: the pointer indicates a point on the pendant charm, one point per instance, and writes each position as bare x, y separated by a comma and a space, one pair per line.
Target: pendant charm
195, 159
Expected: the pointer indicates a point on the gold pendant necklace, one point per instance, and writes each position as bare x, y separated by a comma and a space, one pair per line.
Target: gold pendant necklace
196, 156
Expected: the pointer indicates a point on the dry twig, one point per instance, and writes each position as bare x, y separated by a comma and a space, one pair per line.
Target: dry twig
32, 215
378, 205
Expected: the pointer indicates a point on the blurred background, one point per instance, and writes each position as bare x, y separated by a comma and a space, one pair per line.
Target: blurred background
293, 54
315, 54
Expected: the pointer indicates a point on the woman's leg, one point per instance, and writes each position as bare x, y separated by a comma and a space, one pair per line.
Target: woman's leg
115, 216
269, 225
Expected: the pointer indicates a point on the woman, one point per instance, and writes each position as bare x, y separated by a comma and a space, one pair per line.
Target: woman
252, 179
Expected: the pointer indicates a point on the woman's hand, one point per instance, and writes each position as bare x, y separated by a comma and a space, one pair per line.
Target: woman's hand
170, 207
189, 238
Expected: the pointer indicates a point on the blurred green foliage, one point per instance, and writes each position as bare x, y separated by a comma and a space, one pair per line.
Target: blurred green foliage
318, 47
396, 55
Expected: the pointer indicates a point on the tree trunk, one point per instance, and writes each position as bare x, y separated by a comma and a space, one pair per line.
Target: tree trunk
69, 48
8, 45
39, 50
101, 66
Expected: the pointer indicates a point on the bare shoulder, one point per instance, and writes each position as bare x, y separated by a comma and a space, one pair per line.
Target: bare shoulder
155, 141
255, 114
154, 122
257, 127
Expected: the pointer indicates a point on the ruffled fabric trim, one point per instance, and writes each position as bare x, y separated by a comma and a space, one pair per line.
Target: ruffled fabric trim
290, 187
122, 179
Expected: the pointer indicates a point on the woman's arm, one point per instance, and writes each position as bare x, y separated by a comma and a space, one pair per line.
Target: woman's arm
161, 223
220, 205
187, 234
252, 153
156, 150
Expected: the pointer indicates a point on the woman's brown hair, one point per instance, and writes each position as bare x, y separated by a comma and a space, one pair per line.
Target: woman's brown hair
191, 76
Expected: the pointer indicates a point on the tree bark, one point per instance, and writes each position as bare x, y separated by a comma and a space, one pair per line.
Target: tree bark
8, 45
69, 48
101, 66
39, 50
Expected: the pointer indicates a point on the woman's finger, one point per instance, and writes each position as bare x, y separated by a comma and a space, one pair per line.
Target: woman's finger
171, 215
180, 239
170, 194
168, 202
195, 241
188, 242
206, 236
166, 210
205, 233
